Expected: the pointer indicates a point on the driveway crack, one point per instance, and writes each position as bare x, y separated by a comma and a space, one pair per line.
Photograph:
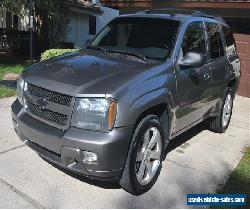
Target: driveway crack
21, 194
185, 166
8, 150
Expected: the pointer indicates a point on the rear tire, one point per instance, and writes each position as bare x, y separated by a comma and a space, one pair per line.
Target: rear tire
144, 161
220, 123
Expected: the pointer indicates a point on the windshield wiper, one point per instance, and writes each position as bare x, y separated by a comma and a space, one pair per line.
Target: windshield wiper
102, 49
135, 54
105, 51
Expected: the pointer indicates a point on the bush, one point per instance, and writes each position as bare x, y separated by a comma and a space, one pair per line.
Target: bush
56, 52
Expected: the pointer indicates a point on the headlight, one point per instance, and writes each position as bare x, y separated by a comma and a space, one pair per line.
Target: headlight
97, 114
20, 89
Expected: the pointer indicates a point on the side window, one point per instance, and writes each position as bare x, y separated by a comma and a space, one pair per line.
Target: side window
194, 40
228, 36
92, 25
215, 41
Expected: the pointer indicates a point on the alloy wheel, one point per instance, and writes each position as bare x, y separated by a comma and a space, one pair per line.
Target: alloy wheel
148, 157
227, 110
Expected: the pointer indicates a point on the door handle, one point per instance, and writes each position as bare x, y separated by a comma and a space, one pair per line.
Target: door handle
206, 76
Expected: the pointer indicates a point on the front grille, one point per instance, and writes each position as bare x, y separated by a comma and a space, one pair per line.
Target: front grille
50, 95
47, 114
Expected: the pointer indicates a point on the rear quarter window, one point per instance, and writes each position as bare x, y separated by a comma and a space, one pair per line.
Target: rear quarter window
229, 38
216, 46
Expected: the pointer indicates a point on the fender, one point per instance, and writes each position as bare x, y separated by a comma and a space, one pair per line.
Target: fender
147, 101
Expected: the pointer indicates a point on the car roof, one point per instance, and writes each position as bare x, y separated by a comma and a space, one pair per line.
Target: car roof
178, 15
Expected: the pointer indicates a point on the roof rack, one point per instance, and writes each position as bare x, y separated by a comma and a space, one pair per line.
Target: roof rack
177, 11
170, 11
208, 16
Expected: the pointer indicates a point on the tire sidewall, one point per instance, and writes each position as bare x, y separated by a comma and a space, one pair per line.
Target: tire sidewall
152, 121
228, 91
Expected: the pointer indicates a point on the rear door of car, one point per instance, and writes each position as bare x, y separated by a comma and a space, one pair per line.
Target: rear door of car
218, 60
231, 53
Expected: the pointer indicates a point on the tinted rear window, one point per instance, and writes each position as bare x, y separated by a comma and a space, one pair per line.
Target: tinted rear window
228, 36
215, 41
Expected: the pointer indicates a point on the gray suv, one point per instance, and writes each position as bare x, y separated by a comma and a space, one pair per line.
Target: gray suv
108, 112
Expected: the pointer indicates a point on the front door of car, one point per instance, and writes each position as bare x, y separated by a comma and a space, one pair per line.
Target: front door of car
193, 83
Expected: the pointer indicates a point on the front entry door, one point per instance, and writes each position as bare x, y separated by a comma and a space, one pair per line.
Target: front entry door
193, 84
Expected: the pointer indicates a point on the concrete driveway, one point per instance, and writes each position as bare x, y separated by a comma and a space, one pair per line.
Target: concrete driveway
197, 162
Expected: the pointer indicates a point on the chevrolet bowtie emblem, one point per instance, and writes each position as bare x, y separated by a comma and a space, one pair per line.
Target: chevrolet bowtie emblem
42, 103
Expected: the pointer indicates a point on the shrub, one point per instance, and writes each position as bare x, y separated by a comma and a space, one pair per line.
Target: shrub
56, 52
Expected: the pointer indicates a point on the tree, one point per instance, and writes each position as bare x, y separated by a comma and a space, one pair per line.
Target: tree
13, 6
50, 18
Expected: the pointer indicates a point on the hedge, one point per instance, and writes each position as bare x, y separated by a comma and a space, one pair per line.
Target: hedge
56, 52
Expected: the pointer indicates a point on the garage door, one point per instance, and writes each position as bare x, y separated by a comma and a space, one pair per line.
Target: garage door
243, 47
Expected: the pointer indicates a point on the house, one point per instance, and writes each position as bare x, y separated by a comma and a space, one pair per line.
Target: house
86, 18
10, 21
235, 12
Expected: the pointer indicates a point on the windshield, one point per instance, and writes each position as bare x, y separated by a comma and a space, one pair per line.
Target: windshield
153, 38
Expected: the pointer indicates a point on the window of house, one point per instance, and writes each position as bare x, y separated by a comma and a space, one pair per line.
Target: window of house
92, 25
228, 36
8, 20
194, 40
15, 22
215, 41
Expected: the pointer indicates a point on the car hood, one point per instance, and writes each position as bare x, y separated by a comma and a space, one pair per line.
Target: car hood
86, 72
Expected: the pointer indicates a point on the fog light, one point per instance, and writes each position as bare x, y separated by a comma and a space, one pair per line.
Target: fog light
89, 157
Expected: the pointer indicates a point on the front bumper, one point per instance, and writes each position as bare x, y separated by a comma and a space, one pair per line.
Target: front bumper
64, 148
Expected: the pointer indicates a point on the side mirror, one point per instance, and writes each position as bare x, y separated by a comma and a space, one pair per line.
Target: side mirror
87, 43
192, 59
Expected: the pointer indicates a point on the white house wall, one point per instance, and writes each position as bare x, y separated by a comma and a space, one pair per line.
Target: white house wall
78, 30
72, 28
83, 30
108, 15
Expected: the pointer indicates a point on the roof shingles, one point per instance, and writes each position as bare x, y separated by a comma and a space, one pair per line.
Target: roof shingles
85, 4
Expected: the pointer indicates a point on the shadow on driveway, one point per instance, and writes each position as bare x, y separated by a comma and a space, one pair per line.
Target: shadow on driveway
185, 137
174, 144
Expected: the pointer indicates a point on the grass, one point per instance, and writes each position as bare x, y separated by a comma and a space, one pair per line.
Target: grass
10, 68
10, 64
6, 92
239, 180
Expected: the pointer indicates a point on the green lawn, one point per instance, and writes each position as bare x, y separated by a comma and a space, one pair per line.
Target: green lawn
239, 180
10, 65
6, 92
10, 68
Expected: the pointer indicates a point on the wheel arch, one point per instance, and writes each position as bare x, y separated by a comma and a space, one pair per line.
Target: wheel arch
233, 84
160, 103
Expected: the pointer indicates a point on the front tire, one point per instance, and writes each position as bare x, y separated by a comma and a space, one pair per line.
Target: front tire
144, 159
220, 123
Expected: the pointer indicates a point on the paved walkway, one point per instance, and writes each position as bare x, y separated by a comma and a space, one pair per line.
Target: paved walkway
198, 162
